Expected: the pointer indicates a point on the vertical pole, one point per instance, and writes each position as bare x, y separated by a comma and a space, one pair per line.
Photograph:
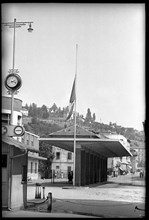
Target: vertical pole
13, 65
49, 208
12, 104
43, 192
25, 183
14, 44
74, 171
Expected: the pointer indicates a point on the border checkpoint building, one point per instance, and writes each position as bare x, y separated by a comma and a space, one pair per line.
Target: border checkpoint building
92, 152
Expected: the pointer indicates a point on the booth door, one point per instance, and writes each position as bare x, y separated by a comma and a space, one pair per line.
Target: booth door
4, 181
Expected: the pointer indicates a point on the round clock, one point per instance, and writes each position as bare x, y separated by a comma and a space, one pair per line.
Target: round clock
13, 81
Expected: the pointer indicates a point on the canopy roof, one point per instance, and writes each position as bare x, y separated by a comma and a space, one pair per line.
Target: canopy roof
88, 140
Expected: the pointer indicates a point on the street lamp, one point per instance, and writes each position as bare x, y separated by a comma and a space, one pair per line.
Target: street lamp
12, 89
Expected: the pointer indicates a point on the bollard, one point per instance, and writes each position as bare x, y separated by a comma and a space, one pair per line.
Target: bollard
38, 191
49, 208
43, 192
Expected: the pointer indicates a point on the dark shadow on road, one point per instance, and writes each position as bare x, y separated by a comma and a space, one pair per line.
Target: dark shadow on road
96, 208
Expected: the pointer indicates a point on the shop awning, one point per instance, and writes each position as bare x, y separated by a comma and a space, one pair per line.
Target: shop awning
37, 157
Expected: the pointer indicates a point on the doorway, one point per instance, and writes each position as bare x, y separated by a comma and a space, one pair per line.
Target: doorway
5, 180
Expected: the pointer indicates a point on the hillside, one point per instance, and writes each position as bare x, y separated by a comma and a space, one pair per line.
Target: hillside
44, 121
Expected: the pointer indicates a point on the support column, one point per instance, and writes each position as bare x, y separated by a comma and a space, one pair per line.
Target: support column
98, 169
106, 169
91, 169
101, 169
78, 165
83, 167
87, 169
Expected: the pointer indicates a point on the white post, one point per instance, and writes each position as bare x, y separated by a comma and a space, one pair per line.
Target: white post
13, 65
74, 169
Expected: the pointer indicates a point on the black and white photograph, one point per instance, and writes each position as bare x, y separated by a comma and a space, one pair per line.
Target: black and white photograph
73, 110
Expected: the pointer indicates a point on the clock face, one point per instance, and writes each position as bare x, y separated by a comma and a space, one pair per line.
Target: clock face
12, 81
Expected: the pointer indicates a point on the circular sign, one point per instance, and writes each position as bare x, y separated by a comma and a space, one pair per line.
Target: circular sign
13, 82
4, 130
19, 130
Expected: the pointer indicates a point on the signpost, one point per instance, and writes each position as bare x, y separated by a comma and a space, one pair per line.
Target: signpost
13, 130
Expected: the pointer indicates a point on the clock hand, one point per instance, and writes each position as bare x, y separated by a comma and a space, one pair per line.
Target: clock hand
13, 81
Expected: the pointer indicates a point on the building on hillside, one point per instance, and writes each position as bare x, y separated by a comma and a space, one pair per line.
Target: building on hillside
26, 119
24, 111
17, 155
60, 121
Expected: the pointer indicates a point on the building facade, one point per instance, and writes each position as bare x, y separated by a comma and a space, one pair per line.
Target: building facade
119, 165
62, 163
32, 141
6, 111
19, 154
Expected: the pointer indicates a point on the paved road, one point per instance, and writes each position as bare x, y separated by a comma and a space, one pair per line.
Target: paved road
113, 191
113, 199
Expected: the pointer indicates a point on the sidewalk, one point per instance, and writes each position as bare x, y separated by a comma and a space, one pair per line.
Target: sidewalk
80, 209
37, 214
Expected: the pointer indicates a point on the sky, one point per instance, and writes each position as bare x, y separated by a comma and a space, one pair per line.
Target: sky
109, 63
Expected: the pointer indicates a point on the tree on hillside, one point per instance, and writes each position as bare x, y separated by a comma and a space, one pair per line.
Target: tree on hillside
94, 117
26, 106
40, 128
32, 111
88, 118
44, 110
54, 108
28, 128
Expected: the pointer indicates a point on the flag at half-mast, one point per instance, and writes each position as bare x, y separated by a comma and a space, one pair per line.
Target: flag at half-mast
72, 99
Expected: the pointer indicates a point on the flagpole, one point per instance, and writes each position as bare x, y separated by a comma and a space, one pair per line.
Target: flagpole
74, 170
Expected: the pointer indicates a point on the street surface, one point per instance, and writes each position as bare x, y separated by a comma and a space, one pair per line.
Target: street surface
113, 190
115, 199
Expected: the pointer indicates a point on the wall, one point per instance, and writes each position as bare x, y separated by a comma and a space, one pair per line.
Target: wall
18, 186
6, 103
16, 193
32, 172
31, 140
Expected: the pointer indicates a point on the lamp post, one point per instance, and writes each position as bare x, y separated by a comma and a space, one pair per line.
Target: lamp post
12, 71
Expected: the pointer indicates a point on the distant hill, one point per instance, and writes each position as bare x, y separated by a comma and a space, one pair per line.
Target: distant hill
44, 120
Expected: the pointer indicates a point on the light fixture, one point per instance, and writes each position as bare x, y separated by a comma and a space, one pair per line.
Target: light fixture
30, 29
